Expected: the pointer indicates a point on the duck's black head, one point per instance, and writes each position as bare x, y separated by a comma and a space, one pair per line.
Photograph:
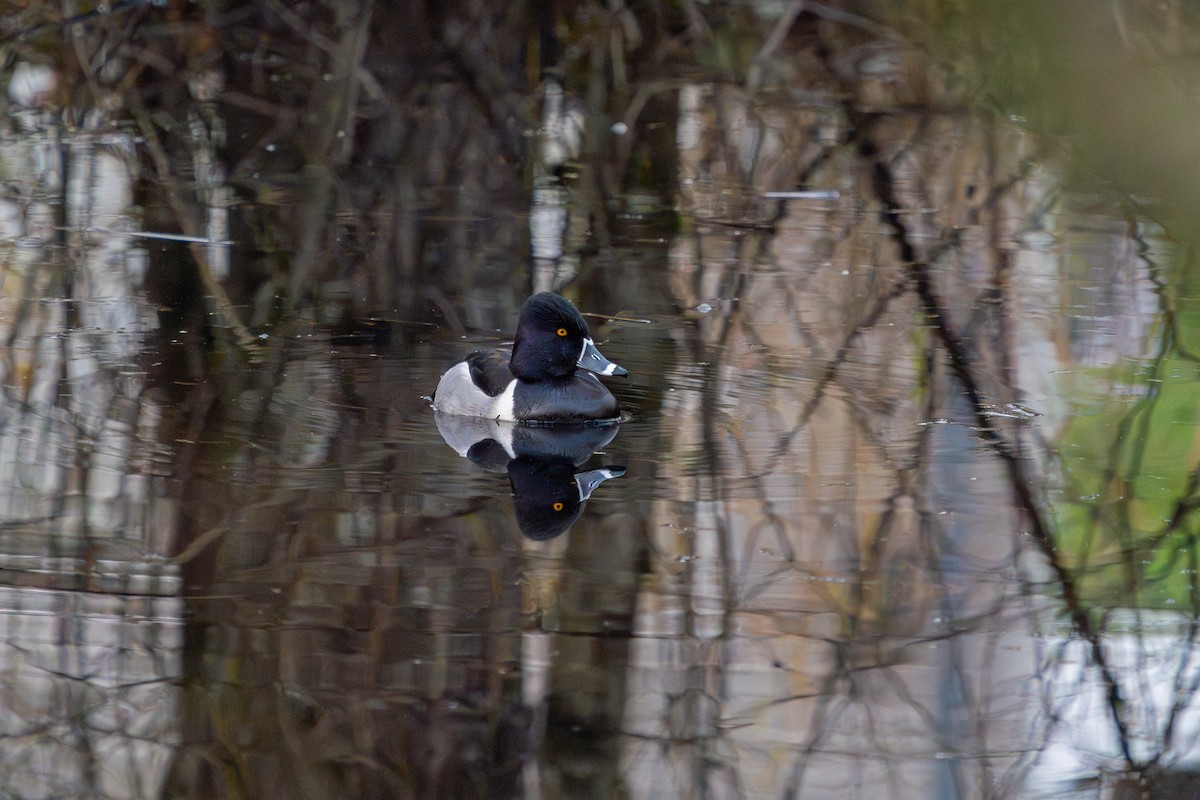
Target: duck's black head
553, 339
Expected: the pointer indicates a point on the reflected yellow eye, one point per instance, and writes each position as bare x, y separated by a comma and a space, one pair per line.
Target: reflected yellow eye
561, 331
557, 506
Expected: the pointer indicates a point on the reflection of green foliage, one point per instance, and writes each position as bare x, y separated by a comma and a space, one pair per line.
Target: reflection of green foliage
1111, 87
1127, 525
985, 48
730, 49
1184, 298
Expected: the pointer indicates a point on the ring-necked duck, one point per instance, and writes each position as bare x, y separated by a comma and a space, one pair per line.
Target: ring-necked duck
538, 381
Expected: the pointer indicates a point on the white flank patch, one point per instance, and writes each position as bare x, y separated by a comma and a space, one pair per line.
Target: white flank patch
504, 404
504, 435
459, 395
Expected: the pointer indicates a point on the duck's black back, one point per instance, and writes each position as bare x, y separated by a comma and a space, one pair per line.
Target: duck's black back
490, 371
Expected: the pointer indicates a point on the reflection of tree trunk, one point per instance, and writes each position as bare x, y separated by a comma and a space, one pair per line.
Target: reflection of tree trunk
90, 607
846, 597
328, 147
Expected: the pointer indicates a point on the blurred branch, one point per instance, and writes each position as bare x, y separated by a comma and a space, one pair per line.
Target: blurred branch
187, 221
331, 146
855, 21
101, 10
767, 51
892, 213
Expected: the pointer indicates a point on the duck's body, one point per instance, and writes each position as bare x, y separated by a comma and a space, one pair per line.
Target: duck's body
466, 389
538, 381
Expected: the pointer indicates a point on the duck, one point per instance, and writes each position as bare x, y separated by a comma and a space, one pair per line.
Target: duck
539, 380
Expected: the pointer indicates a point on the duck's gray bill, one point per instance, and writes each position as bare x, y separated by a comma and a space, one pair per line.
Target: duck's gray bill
592, 359
588, 481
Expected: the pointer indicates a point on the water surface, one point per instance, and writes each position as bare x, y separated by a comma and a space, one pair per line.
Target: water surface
902, 502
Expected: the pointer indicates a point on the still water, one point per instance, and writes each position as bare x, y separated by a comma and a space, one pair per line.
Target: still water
811, 579
903, 501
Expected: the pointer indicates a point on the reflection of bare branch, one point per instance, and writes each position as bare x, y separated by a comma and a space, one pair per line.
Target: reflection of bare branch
698, 26
855, 20
199, 544
329, 146
1172, 341
869, 320
102, 11
961, 363
764, 54
188, 222
818, 728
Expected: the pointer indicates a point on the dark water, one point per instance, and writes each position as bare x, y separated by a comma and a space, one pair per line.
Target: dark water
801, 583
813, 578
902, 503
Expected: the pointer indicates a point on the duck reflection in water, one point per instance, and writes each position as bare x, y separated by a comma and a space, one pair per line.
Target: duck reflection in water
541, 461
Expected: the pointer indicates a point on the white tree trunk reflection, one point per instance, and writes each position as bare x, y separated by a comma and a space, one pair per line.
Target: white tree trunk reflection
91, 620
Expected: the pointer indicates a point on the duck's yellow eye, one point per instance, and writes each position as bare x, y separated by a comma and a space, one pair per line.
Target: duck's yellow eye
557, 506
561, 331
